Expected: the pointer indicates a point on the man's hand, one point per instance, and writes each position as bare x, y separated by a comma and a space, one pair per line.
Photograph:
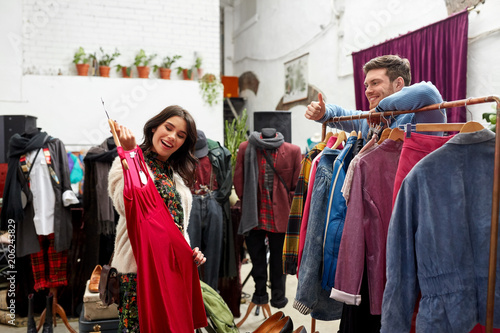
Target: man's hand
316, 110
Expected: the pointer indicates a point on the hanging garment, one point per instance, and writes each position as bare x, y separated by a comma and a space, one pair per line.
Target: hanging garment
48, 260
291, 243
310, 298
335, 215
440, 228
365, 229
168, 287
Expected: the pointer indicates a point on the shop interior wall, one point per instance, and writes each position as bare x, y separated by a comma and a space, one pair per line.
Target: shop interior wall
38, 40
330, 30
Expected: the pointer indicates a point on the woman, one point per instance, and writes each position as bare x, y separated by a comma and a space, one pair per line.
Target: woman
168, 146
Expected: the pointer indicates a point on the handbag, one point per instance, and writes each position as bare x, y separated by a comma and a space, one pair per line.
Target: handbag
109, 286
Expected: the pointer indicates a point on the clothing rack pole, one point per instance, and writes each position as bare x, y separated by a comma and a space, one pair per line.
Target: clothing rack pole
496, 183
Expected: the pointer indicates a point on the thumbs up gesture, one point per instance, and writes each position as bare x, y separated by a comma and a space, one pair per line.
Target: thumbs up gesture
316, 110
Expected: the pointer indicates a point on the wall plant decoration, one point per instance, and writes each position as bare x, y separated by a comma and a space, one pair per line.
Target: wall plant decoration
296, 79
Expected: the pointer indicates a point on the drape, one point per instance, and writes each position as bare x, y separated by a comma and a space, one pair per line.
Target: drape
437, 53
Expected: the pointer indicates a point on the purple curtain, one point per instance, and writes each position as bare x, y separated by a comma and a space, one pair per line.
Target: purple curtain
437, 53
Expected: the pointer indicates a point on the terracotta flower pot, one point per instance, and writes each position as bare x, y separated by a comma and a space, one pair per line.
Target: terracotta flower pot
104, 71
143, 71
124, 72
165, 73
199, 72
82, 69
186, 76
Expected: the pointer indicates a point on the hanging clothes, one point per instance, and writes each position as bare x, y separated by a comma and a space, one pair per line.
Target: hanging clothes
168, 294
441, 230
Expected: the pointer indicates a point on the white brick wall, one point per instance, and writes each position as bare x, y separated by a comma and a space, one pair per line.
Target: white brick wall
54, 29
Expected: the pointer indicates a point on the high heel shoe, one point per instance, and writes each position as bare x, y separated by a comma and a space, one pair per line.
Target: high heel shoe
284, 325
300, 329
269, 323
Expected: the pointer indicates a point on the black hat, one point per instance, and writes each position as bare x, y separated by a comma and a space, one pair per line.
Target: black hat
201, 145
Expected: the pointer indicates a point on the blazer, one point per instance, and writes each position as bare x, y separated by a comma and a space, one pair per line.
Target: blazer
288, 166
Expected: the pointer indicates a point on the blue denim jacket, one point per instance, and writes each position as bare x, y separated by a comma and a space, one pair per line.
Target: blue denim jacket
310, 298
439, 238
409, 98
335, 215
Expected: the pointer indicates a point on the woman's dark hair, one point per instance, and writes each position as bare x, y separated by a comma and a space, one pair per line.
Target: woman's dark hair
183, 160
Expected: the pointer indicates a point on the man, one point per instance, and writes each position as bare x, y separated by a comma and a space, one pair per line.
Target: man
387, 83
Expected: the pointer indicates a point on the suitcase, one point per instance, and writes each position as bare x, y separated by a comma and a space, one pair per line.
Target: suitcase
102, 325
93, 309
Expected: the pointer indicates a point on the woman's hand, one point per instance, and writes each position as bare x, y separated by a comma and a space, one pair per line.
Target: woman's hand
126, 137
199, 257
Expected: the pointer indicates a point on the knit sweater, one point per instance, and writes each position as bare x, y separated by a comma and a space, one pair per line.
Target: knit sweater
123, 259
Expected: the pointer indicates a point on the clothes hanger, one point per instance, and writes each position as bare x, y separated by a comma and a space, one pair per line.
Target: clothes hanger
471, 126
340, 138
327, 136
397, 134
385, 134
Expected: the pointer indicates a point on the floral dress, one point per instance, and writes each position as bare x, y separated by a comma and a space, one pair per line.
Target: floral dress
164, 183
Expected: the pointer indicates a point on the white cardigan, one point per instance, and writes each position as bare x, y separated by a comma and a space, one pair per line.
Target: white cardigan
123, 259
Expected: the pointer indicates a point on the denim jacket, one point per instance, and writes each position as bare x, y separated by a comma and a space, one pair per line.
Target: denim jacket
310, 298
439, 238
335, 215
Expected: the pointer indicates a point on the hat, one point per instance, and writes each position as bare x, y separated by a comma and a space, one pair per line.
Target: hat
201, 148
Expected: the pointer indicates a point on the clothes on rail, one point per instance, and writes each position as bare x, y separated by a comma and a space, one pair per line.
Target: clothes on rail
440, 228
206, 220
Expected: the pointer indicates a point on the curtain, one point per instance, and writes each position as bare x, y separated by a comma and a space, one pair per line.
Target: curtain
437, 53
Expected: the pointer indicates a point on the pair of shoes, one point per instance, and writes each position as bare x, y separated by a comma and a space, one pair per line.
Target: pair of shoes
277, 323
94, 279
300, 329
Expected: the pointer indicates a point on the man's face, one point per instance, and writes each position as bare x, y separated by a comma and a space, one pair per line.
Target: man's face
378, 86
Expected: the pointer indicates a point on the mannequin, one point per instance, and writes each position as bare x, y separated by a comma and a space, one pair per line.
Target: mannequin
265, 206
36, 196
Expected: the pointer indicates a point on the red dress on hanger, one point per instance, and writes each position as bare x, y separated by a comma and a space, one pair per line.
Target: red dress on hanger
168, 287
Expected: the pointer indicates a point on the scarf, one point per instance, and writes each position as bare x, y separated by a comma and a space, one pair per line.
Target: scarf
249, 207
12, 205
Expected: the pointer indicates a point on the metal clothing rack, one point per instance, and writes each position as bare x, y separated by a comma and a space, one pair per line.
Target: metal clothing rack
496, 185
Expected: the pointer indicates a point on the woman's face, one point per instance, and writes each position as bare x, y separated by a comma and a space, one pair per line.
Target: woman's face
169, 136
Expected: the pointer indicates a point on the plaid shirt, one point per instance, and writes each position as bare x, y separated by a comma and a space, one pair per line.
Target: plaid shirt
265, 191
291, 243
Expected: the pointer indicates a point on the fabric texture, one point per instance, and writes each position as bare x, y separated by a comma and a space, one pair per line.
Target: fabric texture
441, 230
49, 267
128, 312
265, 193
168, 287
437, 53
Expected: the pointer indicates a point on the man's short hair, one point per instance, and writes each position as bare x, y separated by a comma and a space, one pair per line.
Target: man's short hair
395, 65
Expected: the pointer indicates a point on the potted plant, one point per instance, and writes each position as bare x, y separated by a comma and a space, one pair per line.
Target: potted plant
126, 70
141, 62
81, 60
105, 62
187, 73
234, 134
197, 65
165, 66
211, 88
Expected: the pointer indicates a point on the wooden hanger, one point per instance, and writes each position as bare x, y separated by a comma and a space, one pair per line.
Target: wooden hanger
397, 134
353, 133
385, 134
360, 135
340, 138
471, 126
327, 137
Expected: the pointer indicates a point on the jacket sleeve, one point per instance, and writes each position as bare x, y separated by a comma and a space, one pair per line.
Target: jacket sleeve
115, 186
56, 147
239, 171
414, 97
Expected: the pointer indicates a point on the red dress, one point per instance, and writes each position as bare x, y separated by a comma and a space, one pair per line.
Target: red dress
168, 287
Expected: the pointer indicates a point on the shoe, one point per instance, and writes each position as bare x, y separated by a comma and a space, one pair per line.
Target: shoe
284, 325
269, 322
300, 329
94, 279
31, 319
279, 304
47, 325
